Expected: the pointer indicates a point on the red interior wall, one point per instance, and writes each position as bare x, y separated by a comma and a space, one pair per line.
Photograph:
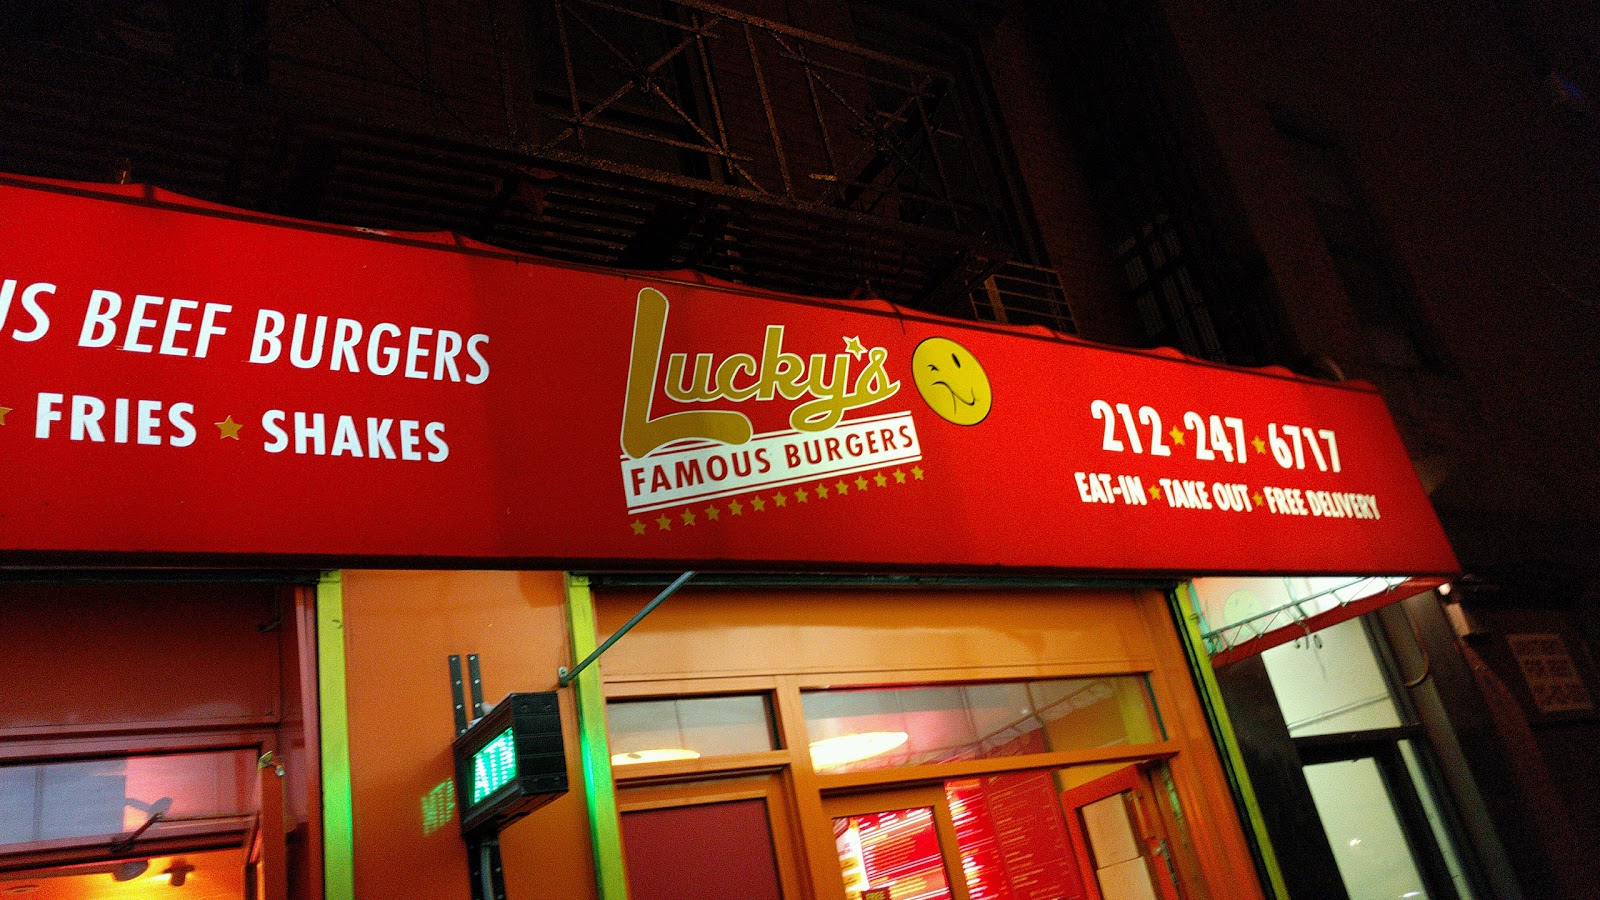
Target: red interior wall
81, 658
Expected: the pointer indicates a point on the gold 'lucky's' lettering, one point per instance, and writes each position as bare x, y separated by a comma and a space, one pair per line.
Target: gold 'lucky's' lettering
740, 377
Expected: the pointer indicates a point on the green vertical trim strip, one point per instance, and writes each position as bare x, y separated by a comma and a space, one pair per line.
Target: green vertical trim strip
338, 820
1186, 609
605, 826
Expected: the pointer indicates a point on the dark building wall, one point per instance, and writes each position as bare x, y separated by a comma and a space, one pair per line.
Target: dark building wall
1483, 191
1040, 130
1444, 146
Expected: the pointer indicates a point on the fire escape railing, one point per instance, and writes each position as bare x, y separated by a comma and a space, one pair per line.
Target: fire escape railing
754, 105
649, 134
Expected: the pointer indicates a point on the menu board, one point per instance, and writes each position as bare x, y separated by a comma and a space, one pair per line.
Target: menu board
1014, 844
897, 850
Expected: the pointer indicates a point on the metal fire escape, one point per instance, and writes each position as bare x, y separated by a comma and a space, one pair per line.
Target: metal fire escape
652, 135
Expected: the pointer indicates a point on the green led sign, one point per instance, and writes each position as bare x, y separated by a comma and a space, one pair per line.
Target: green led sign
509, 762
494, 766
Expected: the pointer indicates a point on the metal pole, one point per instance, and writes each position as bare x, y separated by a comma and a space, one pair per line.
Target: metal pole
564, 677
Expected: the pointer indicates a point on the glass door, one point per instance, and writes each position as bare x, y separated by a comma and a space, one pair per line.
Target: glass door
1376, 822
1119, 837
988, 837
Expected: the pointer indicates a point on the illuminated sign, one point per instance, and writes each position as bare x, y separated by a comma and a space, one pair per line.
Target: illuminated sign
180, 381
510, 762
494, 766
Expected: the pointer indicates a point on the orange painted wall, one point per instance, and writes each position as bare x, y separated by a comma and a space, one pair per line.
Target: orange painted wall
400, 629
730, 632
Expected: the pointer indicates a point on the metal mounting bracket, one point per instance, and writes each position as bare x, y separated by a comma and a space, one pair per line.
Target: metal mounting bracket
458, 693
484, 869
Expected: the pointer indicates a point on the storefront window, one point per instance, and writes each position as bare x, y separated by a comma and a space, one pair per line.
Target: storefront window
1063, 834
96, 798
688, 728
895, 853
857, 730
1012, 837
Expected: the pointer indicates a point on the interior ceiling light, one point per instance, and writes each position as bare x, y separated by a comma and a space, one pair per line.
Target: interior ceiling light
665, 754
130, 870
848, 748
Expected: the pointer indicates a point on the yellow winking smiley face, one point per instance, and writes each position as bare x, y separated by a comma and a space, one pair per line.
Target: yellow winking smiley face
951, 381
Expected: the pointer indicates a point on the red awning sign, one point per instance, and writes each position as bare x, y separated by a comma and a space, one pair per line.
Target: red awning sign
179, 380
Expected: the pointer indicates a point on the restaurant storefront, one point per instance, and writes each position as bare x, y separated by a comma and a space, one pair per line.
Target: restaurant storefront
291, 499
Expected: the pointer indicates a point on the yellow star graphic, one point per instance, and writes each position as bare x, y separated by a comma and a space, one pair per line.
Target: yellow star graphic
1259, 444
1155, 492
713, 513
687, 517
3, 411
780, 499
664, 523
861, 483
842, 487
638, 527
758, 504
899, 477
916, 472
736, 507
822, 492
801, 495
1257, 498
852, 346
228, 428
881, 480
1177, 435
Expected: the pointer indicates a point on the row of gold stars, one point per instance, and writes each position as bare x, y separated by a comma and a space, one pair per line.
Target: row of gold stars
820, 491
1155, 494
227, 428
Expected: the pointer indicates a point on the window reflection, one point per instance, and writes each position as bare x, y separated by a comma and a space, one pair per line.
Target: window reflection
645, 731
862, 729
103, 797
